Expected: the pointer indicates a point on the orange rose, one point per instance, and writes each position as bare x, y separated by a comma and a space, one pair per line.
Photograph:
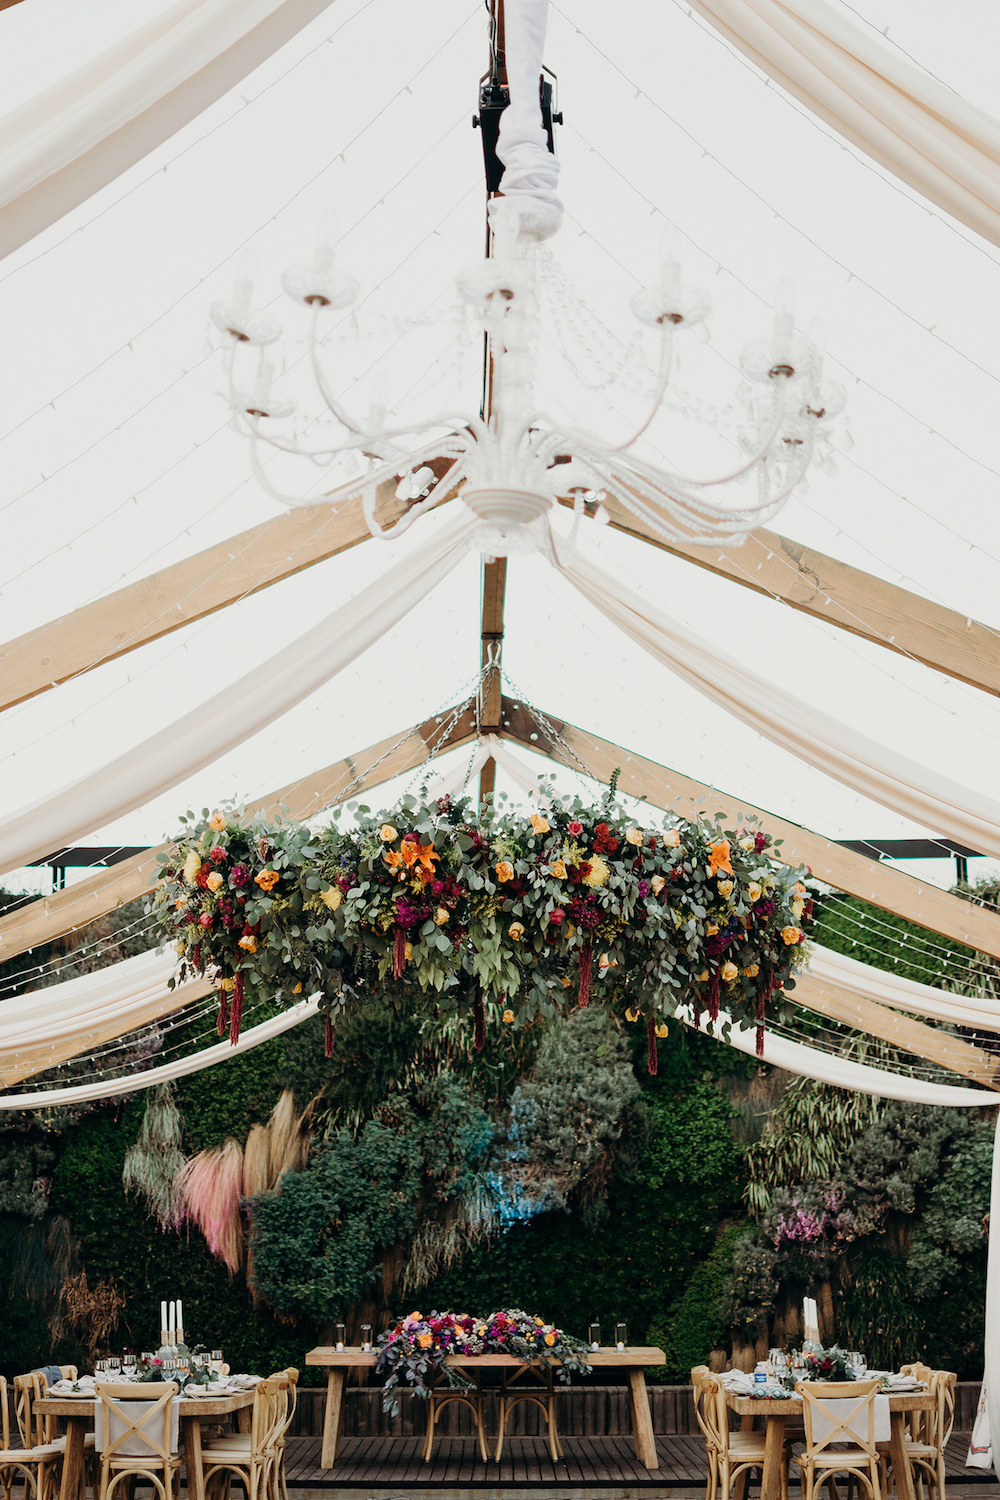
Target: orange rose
505, 870
632, 1014
550, 1339
557, 869
752, 970
424, 1340
441, 916
791, 935
267, 879
538, 823
663, 1029
249, 943
729, 971
516, 931
217, 822
214, 881
508, 1018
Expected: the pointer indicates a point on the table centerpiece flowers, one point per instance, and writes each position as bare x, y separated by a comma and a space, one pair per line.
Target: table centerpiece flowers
416, 1350
515, 913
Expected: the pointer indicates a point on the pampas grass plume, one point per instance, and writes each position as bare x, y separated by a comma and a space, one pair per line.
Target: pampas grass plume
209, 1189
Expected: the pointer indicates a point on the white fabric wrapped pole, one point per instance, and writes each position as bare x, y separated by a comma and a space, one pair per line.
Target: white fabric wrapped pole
928, 136
83, 132
239, 711
991, 1371
195, 1062
531, 171
925, 797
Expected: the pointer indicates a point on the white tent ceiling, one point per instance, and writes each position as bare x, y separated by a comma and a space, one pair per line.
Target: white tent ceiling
116, 457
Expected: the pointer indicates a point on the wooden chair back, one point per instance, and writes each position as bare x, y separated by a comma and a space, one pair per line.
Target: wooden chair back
270, 1404
31, 1424
941, 1420
853, 1422
292, 1376
148, 1431
714, 1420
699, 1375
4, 1414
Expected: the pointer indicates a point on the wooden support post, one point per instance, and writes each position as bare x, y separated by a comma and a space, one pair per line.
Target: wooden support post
490, 686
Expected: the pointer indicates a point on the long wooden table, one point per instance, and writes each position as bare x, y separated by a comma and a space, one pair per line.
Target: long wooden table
338, 1362
776, 1412
192, 1412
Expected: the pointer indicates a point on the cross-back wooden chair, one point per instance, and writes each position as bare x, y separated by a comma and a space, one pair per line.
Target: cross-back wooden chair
440, 1395
926, 1450
736, 1453
848, 1422
538, 1390
238, 1442
251, 1456
21, 1463
139, 1437
33, 1438
699, 1375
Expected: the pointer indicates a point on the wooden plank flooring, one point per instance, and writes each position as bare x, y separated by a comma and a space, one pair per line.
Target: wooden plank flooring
590, 1463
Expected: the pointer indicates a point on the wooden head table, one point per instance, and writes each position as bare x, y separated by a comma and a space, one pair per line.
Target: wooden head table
775, 1413
192, 1412
338, 1362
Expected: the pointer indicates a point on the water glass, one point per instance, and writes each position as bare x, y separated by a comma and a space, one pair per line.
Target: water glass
856, 1361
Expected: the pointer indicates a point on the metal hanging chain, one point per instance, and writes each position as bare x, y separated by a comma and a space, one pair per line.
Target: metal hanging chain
547, 727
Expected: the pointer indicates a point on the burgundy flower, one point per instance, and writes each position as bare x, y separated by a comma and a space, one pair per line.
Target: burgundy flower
217, 853
643, 888
556, 916
239, 875
760, 842
764, 909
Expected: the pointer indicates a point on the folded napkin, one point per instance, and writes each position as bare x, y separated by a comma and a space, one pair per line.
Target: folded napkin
243, 1382
737, 1380
905, 1383
67, 1387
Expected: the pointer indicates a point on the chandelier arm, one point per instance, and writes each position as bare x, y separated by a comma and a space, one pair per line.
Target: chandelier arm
662, 381
296, 500
688, 532
319, 375
369, 494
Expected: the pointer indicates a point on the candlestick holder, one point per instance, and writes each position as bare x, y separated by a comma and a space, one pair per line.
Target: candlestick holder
621, 1337
594, 1337
340, 1338
366, 1337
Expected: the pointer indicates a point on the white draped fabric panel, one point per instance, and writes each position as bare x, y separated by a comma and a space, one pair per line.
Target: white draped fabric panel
74, 138
193, 1062
903, 994
926, 798
810, 1062
48, 1026
928, 136
238, 711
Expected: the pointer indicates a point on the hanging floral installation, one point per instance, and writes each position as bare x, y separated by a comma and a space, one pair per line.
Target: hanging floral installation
529, 914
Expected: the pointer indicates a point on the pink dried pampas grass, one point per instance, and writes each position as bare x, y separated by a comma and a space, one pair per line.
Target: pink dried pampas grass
209, 1189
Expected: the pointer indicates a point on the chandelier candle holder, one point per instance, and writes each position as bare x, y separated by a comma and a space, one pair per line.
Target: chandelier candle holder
511, 467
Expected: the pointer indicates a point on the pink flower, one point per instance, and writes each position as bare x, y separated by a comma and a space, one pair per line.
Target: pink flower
205, 920
576, 829
555, 917
217, 853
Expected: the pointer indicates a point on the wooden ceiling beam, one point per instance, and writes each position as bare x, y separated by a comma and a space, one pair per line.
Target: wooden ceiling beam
844, 596
845, 869
186, 591
64, 911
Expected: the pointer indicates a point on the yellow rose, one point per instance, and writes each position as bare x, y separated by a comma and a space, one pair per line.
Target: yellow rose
214, 881
505, 870
704, 976
657, 884
663, 1029
747, 843
599, 871
566, 982
797, 908
217, 822
712, 929
632, 1014
753, 891
538, 823
539, 1322
297, 989
607, 962
800, 889
550, 1339
441, 916
180, 948
791, 935
557, 869
249, 943
408, 951
191, 867
227, 984
752, 970
516, 931
729, 971
508, 1018
725, 887
633, 836
672, 839
332, 898
387, 833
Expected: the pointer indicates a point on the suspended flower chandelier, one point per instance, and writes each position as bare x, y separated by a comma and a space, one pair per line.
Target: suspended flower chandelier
512, 465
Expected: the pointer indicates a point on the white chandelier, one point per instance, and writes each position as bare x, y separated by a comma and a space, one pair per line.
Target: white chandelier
512, 466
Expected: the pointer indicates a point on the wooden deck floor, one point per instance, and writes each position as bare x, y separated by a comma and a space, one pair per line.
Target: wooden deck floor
590, 1463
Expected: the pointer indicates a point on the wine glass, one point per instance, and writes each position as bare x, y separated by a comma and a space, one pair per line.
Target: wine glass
112, 1366
856, 1361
